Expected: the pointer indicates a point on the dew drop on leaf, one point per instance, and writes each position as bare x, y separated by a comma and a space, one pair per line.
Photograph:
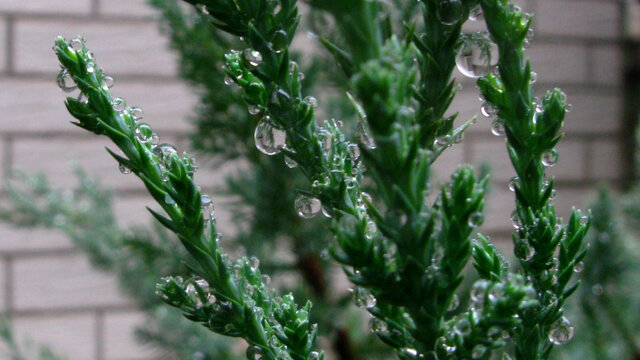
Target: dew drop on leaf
307, 206
269, 140
477, 59
550, 158
561, 332
143, 133
450, 11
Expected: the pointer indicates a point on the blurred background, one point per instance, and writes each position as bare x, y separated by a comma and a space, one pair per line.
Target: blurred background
52, 294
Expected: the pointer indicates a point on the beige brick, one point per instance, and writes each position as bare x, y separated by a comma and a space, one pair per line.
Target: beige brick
584, 18
558, 63
131, 210
71, 336
3, 282
448, 162
42, 108
593, 112
571, 160
121, 48
493, 152
3, 45
572, 197
46, 6
13, 239
500, 202
57, 157
119, 337
607, 65
139, 8
467, 105
606, 160
62, 281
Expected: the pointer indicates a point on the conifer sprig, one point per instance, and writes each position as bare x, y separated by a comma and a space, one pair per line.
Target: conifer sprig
230, 299
532, 131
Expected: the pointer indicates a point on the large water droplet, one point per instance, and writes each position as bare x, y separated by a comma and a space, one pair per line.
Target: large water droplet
77, 43
497, 127
137, 113
578, 267
523, 250
269, 140
450, 11
550, 158
124, 169
561, 332
354, 152
325, 140
311, 101
164, 152
378, 326
254, 110
119, 104
462, 327
488, 110
515, 219
65, 82
476, 14
363, 298
478, 351
307, 206
513, 183
253, 57
208, 209
279, 41
254, 353
476, 219
476, 60
143, 132
584, 220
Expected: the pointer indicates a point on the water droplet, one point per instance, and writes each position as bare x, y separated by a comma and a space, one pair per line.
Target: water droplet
143, 133
279, 41
568, 108
597, 290
378, 326
314, 355
254, 353
462, 327
561, 332
584, 220
488, 110
307, 206
325, 139
202, 8
77, 43
119, 104
208, 208
550, 158
476, 14
269, 140
515, 219
300, 76
523, 250
578, 267
354, 151
454, 303
65, 82
478, 291
124, 169
445, 345
478, 351
163, 151
311, 101
137, 113
450, 11
534, 77
254, 262
476, 61
497, 127
444, 140
228, 80
553, 195
496, 292
363, 298
476, 219
513, 183
371, 229
290, 162
91, 67
253, 57
254, 110
327, 212
494, 333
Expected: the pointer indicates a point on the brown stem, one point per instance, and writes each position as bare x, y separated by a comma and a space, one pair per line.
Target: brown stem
342, 345
309, 265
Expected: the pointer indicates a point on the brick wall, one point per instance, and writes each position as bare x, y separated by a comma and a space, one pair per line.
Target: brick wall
48, 288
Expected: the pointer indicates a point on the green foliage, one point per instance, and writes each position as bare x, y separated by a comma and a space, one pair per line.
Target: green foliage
404, 254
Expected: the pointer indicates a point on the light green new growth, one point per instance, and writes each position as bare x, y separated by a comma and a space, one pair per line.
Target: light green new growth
404, 254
